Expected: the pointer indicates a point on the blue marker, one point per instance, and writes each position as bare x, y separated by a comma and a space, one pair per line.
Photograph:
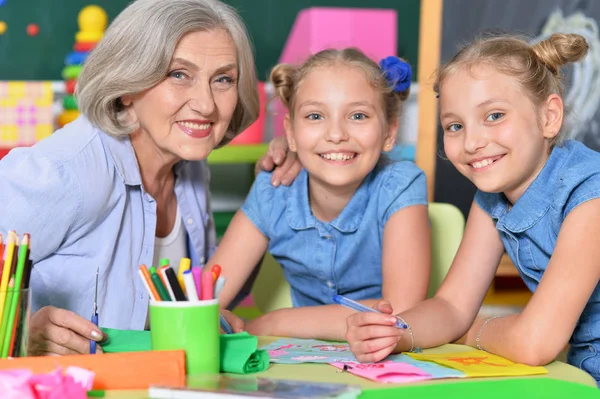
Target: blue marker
350, 304
224, 325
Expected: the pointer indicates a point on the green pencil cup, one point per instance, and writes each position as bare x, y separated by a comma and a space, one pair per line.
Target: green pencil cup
14, 322
191, 326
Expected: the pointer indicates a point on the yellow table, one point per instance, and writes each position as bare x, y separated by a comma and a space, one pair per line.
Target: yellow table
327, 373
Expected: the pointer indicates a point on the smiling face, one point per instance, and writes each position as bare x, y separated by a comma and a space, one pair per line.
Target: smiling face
493, 133
338, 128
187, 114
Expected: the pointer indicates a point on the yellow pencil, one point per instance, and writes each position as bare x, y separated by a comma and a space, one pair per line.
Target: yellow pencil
184, 265
8, 260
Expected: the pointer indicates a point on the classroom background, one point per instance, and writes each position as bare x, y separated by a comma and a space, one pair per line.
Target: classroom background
39, 70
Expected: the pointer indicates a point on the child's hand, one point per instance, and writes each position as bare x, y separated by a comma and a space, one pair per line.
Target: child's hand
237, 324
373, 336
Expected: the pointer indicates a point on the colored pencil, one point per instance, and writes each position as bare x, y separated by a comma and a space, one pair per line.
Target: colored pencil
8, 257
15, 298
148, 283
162, 290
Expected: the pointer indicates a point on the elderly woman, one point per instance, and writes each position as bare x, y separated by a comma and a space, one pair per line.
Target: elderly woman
127, 182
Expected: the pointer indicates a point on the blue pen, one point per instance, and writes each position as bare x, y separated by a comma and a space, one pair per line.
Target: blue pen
95, 315
225, 325
350, 304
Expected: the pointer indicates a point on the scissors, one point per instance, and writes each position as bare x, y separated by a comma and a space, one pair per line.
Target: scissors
95, 315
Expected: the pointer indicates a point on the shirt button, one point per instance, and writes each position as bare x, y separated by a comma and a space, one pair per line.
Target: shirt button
190, 221
330, 284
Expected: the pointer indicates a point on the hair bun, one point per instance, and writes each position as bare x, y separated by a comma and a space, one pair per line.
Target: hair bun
560, 49
282, 77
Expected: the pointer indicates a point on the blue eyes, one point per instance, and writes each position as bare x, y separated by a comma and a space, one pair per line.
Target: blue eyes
221, 80
177, 75
455, 127
224, 79
494, 116
359, 116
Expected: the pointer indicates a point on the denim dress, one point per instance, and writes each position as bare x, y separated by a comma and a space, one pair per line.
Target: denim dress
343, 256
530, 228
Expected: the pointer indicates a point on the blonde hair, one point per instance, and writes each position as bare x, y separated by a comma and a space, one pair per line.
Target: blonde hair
536, 67
136, 52
286, 78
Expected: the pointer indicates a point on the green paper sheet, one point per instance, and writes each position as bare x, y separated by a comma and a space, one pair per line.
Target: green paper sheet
240, 354
521, 388
126, 341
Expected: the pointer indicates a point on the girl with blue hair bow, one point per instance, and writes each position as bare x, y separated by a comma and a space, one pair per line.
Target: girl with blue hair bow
352, 223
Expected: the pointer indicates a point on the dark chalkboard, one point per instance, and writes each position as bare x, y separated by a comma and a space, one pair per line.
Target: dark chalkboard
462, 21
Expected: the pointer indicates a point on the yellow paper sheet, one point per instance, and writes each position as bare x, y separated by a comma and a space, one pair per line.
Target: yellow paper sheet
478, 363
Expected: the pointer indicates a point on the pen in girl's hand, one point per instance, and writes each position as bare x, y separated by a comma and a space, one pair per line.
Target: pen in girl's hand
225, 325
350, 304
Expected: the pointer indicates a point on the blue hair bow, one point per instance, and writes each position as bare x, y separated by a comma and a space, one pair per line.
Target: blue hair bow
397, 73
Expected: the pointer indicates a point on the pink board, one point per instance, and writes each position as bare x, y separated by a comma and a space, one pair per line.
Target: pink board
374, 31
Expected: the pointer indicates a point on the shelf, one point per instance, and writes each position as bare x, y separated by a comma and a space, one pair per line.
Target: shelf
231, 154
238, 154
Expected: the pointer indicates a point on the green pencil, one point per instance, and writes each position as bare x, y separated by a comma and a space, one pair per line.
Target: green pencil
4, 321
160, 287
16, 296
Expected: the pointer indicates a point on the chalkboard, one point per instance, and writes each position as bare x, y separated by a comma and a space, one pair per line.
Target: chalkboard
41, 57
462, 21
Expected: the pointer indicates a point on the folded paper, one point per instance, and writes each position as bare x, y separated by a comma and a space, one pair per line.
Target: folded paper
126, 341
240, 354
135, 370
478, 363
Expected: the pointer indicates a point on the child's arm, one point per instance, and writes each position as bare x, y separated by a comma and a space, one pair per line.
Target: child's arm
316, 322
405, 269
538, 334
406, 258
445, 317
239, 251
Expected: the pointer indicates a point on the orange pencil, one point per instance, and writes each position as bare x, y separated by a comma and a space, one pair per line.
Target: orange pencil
145, 275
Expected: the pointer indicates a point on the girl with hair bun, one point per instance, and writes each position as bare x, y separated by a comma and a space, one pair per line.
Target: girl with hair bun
352, 222
538, 199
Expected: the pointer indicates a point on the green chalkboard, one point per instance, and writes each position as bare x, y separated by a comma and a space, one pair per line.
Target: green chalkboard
41, 57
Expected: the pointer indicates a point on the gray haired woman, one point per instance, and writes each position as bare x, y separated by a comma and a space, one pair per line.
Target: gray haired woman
127, 182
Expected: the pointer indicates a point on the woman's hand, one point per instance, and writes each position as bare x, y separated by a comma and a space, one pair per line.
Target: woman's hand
286, 164
55, 331
237, 324
373, 336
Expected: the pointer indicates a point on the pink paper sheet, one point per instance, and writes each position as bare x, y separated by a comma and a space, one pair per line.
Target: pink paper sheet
385, 372
23, 384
